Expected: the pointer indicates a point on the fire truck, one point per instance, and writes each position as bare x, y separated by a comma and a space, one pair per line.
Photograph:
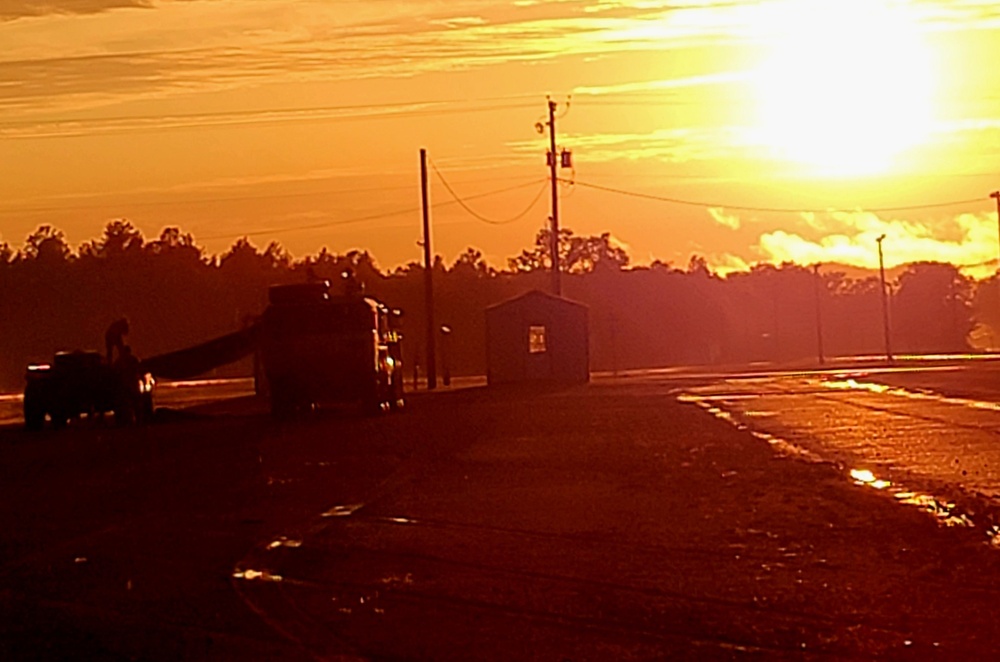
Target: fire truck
319, 348
311, 347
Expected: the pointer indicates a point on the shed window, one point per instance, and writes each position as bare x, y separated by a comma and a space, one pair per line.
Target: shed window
536, 339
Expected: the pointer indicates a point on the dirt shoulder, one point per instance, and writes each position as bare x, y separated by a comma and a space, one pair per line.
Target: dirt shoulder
612, 522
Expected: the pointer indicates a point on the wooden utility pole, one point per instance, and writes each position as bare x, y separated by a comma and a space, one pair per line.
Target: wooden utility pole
885, 301
428, 274
996, 196
819, 314
553, 165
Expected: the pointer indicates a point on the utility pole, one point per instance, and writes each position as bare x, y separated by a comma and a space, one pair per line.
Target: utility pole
996, 196
885, 301
556, 284
428, 273
819, 315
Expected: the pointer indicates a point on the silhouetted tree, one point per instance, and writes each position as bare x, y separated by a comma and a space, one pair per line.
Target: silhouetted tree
658, 315
932, 309
698, 266
177, 246
576, 254
471, 262
120, 239
46, 246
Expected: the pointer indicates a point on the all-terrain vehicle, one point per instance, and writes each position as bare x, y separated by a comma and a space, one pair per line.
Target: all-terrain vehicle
80, 383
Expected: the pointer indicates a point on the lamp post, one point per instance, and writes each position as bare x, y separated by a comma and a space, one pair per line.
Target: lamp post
819, 314
885, 301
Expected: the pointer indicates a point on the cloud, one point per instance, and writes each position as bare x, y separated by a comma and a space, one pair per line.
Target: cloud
659, 85
727, 220
12, 9
680, 145
727, 263
79, 54
965, 239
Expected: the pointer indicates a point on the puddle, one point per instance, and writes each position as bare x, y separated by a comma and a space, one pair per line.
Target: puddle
256, 575
946, 512
851, 384
397, 520
786, 448
866, 477
284, 542
343, 511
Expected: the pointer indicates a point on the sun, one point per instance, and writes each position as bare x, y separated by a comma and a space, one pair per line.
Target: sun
846, 86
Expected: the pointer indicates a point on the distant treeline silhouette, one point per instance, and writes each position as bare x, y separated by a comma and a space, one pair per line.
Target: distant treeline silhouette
175, 295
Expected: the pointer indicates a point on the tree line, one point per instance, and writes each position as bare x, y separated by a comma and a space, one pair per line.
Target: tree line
55, 297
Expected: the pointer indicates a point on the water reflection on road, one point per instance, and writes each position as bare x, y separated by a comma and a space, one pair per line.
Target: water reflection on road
168, 394
935, 452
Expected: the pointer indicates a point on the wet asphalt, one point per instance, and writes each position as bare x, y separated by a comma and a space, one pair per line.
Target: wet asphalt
635, 518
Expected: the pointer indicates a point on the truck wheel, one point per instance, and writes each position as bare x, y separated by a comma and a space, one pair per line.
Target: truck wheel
396, 401
373, 403
147, 411
59, 419
282, 405
373, 406
34, 410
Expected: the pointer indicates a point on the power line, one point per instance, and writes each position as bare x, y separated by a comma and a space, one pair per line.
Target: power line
361, 219
237, 198
480, 217
140, 123
780, 210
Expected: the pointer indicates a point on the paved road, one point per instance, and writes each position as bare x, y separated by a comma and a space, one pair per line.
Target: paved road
606, 522
929, 434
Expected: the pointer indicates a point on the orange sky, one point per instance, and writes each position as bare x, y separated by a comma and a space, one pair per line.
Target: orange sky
301, 120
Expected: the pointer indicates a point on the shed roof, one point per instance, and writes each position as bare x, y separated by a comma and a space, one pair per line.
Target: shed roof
537, 294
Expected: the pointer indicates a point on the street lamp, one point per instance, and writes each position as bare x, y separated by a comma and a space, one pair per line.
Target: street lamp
819, 314
885, 301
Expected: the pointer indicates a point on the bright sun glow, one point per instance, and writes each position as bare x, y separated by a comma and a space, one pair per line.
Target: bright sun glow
846, 86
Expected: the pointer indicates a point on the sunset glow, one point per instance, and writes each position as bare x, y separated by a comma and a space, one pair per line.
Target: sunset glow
847, 87
300, 121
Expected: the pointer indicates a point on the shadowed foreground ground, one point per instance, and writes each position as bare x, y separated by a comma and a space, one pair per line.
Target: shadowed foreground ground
601, 522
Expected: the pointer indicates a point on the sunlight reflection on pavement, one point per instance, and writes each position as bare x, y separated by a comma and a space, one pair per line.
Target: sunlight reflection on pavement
927, 450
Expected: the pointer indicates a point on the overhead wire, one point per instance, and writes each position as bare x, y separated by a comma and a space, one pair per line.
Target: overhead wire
479, 216
369, 217
232, 198
779, 210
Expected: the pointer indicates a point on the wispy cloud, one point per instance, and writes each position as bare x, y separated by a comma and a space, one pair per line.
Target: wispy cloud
82, 54
12, 9
719, 215
67, 61
681, 145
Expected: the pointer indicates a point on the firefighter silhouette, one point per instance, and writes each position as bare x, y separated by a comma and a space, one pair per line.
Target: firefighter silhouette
114, 338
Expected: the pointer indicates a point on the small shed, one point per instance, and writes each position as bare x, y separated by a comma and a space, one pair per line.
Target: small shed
537, 337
